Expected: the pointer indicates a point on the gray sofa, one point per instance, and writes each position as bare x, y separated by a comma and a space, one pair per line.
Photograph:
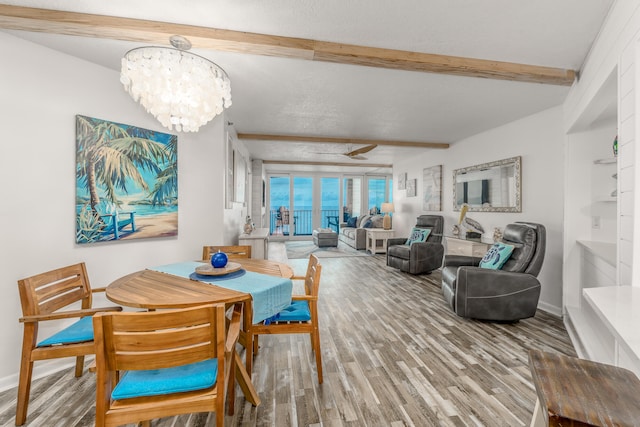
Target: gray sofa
356, 237
505, 295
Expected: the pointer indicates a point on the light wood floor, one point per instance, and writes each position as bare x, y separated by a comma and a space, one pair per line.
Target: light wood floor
393, 353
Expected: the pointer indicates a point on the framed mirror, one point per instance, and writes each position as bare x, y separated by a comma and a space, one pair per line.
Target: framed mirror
489, 187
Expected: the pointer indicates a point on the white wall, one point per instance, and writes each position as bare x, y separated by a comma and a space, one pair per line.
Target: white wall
538, 139
42, 91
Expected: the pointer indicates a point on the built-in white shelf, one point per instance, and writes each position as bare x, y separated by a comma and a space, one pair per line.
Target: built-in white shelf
606, 161
618, 307
586, 339
606, 251
606, 199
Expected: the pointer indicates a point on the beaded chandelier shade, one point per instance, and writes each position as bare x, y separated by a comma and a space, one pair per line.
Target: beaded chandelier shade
182, 90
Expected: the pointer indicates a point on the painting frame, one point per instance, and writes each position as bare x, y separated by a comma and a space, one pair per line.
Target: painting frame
402, 181
229, 193
412, 187
126, 182
432, 188
240, 177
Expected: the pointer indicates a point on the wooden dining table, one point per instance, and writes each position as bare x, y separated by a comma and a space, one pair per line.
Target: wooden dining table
151, 290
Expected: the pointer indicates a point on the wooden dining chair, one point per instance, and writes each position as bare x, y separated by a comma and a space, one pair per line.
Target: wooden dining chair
233, 252
43, 297
301, 317
163, 363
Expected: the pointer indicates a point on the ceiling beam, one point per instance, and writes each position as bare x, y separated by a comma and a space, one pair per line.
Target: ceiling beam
354, 165
155, 32
325, 140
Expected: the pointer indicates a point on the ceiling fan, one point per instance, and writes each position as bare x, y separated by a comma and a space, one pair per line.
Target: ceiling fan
356, 154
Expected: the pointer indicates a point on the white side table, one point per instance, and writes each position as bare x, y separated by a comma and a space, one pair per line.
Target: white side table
377, 240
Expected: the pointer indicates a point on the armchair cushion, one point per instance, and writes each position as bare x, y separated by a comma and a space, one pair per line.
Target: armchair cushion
361, 220
524, 240
496, 256
156, 382
80, 331
418, 235
298, 311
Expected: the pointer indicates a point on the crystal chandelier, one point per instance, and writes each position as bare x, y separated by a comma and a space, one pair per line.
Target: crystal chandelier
182, 90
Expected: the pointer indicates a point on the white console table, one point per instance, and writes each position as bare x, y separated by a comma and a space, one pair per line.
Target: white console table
259, 242
460, 245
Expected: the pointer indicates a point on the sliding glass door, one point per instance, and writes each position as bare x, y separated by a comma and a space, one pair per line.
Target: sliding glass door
329, 203
298, 204
280, 220
351, 197
303, 204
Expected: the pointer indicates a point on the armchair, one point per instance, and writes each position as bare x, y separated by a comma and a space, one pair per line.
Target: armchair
505, 295
419, 257
49, 298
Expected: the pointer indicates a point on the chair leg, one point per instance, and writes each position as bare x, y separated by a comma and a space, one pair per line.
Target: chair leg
24, 389
231, 388
79, 366
26, 369
250, 341
315, 339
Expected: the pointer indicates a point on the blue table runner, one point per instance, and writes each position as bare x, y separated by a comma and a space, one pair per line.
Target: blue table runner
270, 294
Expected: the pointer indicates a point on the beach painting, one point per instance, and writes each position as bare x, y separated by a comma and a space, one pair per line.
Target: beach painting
126, 182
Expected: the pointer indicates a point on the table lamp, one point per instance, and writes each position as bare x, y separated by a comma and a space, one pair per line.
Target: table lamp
386, 209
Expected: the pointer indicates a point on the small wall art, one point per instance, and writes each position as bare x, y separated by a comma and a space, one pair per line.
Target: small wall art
126, 182
411, 187
432, 188
402, 181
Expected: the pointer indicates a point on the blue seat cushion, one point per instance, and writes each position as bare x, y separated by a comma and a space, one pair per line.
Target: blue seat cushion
80, 331
155, 382
298, 311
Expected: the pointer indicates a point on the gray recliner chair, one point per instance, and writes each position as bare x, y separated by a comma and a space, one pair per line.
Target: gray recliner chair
420, 257
505, 295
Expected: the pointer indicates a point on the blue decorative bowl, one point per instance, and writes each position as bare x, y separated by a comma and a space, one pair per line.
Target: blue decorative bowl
219, 260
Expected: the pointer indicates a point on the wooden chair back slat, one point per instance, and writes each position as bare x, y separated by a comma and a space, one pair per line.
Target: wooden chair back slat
312, 278
50, 291
159, 360
180, 337
233, 252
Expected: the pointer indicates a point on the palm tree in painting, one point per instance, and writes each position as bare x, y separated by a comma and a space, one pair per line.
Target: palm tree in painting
166, 186
108, 155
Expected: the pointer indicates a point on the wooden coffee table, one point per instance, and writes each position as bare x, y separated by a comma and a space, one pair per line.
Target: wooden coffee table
577, 392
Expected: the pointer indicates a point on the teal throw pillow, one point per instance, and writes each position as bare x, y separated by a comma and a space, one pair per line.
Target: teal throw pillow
351, 222
418, 235
496, 256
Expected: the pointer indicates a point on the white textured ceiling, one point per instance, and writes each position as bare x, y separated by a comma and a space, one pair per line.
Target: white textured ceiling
298, 97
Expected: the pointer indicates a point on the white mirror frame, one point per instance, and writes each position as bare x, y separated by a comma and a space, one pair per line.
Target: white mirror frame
517, 207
